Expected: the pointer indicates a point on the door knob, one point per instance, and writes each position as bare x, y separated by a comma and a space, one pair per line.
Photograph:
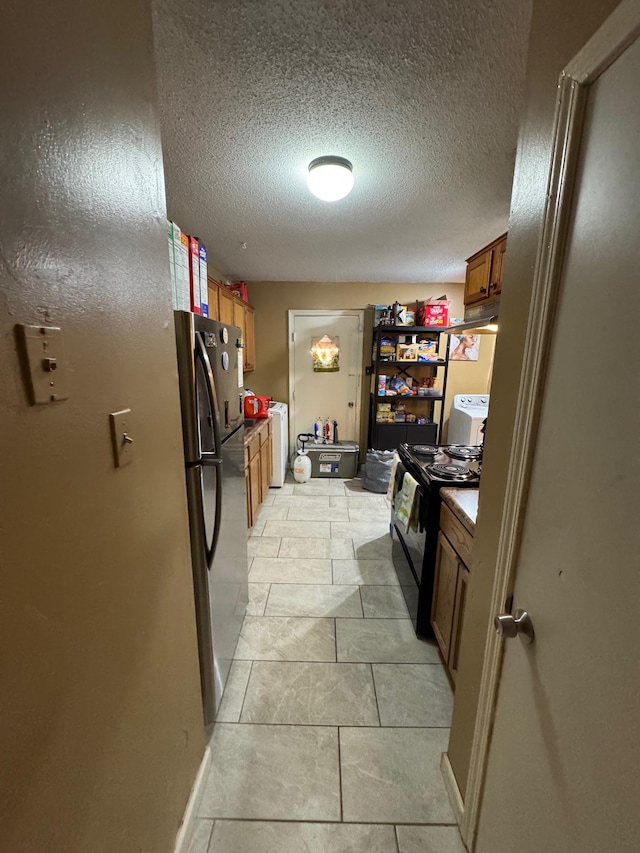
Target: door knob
518, 625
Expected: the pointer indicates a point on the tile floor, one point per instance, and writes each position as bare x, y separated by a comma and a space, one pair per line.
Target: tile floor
335, 715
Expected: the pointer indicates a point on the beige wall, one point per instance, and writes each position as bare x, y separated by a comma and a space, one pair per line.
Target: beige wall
558, 31
470, 377
101, 731
273, 299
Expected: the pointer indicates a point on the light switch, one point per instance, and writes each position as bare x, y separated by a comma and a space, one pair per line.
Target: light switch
46, 364
121, 438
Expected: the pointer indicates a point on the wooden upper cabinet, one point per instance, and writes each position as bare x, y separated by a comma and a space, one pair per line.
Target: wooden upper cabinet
238, 315
214, 310
478, 278
230, 309
249, 338
483, 280
495, 285
226, 302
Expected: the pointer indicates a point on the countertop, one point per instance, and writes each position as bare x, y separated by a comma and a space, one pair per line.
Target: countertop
464, 504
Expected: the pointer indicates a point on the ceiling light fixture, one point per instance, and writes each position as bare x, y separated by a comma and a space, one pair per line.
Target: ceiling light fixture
330, 178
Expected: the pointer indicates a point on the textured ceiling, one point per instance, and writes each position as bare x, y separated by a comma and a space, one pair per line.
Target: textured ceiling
422, 97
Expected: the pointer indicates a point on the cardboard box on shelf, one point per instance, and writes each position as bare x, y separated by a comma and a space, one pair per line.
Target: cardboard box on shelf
172, 267
427, 350
194, 274
181, 261
407, 352
204, 286
437, 312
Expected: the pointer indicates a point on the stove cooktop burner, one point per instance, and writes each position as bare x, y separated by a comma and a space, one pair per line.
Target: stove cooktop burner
463, 452
450, 471
426, 449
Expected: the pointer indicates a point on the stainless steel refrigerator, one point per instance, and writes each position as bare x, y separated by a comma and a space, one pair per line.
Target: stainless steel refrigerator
211, 391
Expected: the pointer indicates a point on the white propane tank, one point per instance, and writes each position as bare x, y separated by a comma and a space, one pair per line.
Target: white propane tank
302, 463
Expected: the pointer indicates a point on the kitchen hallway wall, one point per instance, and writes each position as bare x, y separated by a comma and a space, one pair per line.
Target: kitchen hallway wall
558, 31
102, 732
273, 299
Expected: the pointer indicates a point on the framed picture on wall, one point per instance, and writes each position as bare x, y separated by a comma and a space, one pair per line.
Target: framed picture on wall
464, 347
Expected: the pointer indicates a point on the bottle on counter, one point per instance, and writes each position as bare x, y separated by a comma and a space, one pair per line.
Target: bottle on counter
318, 431
327, 432
335, 432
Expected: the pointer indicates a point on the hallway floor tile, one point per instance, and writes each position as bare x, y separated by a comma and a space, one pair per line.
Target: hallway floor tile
335, 714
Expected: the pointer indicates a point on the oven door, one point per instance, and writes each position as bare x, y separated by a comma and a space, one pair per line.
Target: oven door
412, 540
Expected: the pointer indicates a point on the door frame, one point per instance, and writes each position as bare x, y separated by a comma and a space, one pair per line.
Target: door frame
310, 312
620, 29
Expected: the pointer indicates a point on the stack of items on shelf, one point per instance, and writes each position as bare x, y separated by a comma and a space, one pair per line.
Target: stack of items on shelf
408, 386
432, 312
188, 267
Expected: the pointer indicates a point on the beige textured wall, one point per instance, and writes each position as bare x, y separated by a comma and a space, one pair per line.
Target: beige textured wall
471, 377
273, 299
101, 731
558, 31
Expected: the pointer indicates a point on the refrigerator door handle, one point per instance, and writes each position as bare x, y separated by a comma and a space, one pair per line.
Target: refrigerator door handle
211, 549
201, 352
210, 459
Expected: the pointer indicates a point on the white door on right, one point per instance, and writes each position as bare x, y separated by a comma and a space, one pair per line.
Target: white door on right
563, 773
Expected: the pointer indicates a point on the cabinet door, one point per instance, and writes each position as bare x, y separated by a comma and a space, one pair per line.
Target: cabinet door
238, 315
265, 480
458, 618
270, 461
444, 594
476, 285
225, 300
254, 477
247, 485
495, 286
249, 338
214, 308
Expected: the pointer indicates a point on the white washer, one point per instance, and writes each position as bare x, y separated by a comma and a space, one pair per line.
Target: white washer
465, 419
280, 427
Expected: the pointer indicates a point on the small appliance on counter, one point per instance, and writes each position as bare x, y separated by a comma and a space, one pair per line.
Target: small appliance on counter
414, 551
256, 406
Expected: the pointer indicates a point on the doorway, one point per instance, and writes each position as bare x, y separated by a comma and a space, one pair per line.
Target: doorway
325, 371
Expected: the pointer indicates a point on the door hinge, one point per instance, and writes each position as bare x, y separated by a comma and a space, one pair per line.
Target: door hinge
293, 337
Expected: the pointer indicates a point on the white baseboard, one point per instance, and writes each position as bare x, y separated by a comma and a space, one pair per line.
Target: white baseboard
452, 788
187, 827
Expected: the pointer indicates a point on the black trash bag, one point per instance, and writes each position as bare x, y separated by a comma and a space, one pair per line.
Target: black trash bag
377, 470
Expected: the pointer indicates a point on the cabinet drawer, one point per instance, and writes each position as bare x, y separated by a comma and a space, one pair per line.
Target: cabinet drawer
253, 445
457, 534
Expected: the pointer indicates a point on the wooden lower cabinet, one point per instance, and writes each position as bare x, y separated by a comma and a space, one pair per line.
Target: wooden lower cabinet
450, 589
258, 468
458, 619
444, 594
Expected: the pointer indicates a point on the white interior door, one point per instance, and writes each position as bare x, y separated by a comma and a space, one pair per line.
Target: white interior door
333, 395
563, 773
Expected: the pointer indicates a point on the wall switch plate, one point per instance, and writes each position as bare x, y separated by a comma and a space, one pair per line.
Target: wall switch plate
45, 363
121, 438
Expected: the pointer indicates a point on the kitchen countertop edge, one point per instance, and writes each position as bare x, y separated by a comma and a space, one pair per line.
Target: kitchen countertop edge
464, 505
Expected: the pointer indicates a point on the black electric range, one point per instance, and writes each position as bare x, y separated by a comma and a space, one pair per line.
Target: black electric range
414, 552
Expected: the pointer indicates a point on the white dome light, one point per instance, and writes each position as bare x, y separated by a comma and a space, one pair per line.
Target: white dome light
330, 178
